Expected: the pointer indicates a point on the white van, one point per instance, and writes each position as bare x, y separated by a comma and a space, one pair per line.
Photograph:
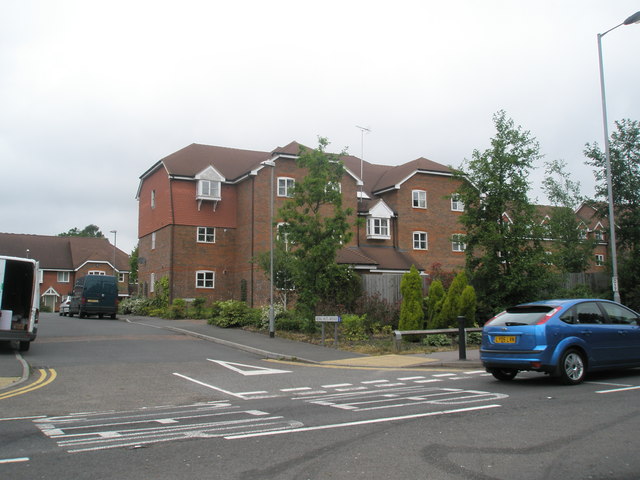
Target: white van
19, 300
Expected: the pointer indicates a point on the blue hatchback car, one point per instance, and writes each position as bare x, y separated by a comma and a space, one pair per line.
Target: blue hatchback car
564, 338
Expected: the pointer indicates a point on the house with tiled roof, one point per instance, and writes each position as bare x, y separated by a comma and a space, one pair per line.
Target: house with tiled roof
204, 215
64, 259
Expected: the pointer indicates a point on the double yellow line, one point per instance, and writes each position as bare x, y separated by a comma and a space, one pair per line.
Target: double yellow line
47, 375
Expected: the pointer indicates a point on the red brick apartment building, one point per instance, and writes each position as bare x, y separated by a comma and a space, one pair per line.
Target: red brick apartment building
204, 214
64, 259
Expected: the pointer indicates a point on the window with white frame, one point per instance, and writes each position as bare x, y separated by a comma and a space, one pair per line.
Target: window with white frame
420, 241
96, 272
206, 235
153, 241
599, 260
153, 199
419, 198
63, 277
205, 279
378, 227
120, 277
282, 234
456, 204
285, 186
598, 235
457, 243
208, 189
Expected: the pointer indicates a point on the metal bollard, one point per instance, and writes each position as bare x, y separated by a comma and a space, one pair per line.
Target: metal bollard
462, 340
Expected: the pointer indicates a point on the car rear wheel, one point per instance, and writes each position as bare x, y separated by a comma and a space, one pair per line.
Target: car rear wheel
504, 374
572, 367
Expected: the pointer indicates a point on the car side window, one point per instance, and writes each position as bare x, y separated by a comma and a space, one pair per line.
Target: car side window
588, 313
619, 315
569, 316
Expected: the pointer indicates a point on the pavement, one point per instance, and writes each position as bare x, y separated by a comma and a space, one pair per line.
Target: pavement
14, 369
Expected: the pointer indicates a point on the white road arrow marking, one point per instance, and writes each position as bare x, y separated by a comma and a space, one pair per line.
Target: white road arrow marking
248, 370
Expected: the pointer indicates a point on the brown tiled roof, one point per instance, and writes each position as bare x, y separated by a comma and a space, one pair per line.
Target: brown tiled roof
61, 253
230, 162
382, 258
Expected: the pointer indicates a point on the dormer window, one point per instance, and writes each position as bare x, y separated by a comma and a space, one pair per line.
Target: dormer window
209, 184
378, 228
209, 189
379, 222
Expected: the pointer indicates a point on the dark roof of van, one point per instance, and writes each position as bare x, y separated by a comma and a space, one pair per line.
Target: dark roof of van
62, 253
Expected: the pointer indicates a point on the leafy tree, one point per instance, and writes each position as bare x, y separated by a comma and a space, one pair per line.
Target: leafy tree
283, 265
570, 252
504, 254
316, 225
434, 302
133, 265
624, 153
411, 313
88, 231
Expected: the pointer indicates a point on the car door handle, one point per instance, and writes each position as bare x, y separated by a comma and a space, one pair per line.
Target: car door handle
622, 332
586, 332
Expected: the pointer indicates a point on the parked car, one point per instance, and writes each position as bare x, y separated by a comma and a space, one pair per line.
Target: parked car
563, 338
64, 306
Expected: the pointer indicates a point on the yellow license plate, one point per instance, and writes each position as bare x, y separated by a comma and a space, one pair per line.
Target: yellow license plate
92, 300
505, 339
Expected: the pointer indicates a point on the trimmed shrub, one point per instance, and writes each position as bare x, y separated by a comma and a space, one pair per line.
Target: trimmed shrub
354, 328
434, 302
411, 313
234, 313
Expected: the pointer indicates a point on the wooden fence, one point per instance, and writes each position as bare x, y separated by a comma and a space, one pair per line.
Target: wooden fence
387, 285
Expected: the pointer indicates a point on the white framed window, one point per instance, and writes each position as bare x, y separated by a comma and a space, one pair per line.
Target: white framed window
457, 243
208, 189
96, 272
378, 228
456, 204
63, 277
206, 235
582, 234
334, 186
152, 283
153, 199
285, 186
599, 260
120, 277
419, 198
205, 279
598, 235
420, 241
153, 240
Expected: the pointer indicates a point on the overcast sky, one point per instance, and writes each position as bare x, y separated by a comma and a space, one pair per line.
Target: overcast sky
94, 93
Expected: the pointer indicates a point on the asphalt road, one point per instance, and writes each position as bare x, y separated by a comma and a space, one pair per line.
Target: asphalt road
121, 400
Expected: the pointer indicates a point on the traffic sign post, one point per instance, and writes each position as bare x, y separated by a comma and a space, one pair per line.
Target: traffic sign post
335, 319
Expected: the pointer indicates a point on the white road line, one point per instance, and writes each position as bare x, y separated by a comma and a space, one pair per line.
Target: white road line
474, 372
208, 386
14, 460
404, 379
298, 389
430, 380
373, 382
337, 385
613, 390
361, 422
444, 374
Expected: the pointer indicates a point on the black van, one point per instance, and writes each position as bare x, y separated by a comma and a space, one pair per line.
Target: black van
95, 295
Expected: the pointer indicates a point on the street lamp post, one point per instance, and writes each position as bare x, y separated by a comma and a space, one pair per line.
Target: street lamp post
115, 236
272, 321
635, 18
